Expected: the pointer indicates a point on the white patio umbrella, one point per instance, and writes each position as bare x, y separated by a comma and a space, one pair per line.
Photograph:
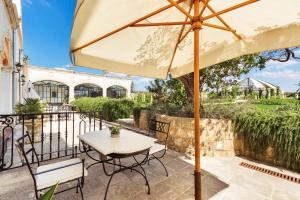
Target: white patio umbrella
151, 38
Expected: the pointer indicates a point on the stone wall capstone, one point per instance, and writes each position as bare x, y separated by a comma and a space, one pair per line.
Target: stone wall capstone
216, 137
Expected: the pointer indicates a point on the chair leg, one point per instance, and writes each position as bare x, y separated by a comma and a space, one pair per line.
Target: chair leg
108, 186
120, 163
140, 165
81, 193
167, 174
36, 194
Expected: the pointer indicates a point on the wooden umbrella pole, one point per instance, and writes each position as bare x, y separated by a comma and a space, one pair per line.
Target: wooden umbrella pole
196, 28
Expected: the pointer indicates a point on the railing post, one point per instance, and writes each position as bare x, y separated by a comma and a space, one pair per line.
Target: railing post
100, 120
32, 137
66, 134
58, 135
51, 136
42, 138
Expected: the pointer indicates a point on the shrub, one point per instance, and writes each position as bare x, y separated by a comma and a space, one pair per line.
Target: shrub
116, 109
137, 111
216, 111
224, 111
275, 101
143, 97
30, 106
112, 109
88, 104
280, 129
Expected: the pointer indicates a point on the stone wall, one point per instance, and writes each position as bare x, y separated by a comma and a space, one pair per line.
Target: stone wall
216, 138
243, 150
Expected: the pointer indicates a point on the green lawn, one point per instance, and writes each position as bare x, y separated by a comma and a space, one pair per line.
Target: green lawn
266, 107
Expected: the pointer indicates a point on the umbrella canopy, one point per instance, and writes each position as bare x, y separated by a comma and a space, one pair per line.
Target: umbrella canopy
145, 49
151, 38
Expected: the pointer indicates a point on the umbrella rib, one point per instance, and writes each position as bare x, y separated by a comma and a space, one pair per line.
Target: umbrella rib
203, 8
179, 38
161, 24
229, 9
127, 25
223, 22
181, 9
186, 33
218, 27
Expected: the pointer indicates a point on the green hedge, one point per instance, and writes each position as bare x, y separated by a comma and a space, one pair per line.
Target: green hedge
88, 104
116, 109
280, 129
112, 109
275, 101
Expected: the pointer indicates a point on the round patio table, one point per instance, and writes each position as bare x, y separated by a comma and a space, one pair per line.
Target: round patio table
129, 144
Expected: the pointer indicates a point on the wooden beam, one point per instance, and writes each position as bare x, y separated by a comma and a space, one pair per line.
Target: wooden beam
203, 8
229, 9
178, 39
161, 24
217, 27
181, 9
126, 26
221, 20
185, 34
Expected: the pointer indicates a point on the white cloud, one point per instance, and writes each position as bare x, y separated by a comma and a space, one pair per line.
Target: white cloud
142, 80
116, 75
27, 2
43, 2
280, 65
284, 74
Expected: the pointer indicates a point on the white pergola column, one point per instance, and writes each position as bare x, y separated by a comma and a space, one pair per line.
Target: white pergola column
71, 94
104, 91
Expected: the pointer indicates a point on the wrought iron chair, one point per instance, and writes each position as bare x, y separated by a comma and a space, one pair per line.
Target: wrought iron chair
45, 176
159, 150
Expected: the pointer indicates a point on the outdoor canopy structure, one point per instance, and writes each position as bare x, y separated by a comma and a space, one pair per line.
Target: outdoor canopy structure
151, 38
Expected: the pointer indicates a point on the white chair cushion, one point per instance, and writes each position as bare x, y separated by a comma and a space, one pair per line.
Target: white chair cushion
156, 148
60, 174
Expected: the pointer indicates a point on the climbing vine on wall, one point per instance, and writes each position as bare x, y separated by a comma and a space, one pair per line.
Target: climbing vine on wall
280, 130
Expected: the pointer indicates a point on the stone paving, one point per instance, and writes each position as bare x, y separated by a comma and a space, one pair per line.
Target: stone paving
222, 178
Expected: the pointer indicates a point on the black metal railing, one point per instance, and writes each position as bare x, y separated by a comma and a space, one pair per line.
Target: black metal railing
54, 134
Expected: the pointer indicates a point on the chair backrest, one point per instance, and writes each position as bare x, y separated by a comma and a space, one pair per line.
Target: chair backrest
156, 126
20, 144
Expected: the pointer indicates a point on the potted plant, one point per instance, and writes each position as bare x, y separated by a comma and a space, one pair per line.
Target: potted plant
31, 109
115, 131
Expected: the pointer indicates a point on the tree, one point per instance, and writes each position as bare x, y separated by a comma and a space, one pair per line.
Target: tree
157, 87
298, 90
168, 91
222, 74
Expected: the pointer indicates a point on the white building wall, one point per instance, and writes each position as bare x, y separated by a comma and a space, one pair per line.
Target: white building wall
9, 94
72, 79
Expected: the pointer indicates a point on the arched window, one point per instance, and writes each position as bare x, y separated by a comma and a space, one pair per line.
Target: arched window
116, 91
88, 90
52, 92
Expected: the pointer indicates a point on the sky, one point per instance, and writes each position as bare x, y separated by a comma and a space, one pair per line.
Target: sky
47, 30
